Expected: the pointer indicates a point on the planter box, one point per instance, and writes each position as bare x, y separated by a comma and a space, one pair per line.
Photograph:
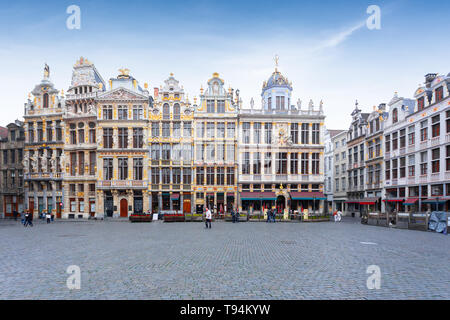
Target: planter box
314, 219
174, 218
141, 218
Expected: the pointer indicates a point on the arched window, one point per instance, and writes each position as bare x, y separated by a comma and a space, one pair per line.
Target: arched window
45, 100
395, 115
166, 111
176, 111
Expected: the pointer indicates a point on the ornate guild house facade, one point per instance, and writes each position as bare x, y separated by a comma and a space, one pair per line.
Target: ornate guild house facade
215, 144
122, 161
80, 148
171, 149
43, 153
281, 152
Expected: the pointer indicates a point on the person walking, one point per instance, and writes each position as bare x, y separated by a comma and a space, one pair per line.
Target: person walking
339, 216
268, 215
335, 216
208, 217
233, 215
25, 220
48, 216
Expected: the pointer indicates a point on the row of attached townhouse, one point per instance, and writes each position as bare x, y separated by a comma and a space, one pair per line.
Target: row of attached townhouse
110, 148
396, 158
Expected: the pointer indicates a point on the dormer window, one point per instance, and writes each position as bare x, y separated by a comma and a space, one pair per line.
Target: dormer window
395, 116
45, 100
439, 92
420, 104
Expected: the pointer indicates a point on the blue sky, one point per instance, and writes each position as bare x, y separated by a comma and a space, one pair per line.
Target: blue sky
325, 48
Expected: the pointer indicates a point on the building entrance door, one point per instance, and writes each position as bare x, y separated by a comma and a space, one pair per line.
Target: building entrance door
187, 206
123, 208
109, 206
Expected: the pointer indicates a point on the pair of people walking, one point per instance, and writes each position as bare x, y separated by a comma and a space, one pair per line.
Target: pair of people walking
271, 215
337, 216
28, 220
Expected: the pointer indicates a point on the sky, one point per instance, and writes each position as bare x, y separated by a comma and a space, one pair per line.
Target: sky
325, 47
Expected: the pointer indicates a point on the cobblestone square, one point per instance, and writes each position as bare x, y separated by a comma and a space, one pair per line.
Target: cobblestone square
120, 260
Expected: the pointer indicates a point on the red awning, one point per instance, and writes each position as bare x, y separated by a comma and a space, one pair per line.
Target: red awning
411, 200
394, 200
372, 200
308, 195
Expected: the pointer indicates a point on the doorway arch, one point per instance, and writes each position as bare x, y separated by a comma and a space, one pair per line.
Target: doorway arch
124, 208
281, 203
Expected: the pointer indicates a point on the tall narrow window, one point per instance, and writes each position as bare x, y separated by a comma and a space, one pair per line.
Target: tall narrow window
108, 168
257, 133
123, 138
268, 133
315, 163
166, 111
305, 133
435, 167
256, 163
246, 132
176, 111
220, 106
305, 163
123, 112
138, 138
294, 133
267, 163
137, 168
45, 100
436, 126
294, 163
123, 168
315, 133
395, 115
246, 163
107, 138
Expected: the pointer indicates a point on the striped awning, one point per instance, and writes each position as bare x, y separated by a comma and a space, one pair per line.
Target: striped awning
258, 196
410, 201
394, 200
369, 200
308, 196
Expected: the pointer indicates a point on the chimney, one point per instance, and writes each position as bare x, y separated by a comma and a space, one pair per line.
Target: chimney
156, 92
429, 78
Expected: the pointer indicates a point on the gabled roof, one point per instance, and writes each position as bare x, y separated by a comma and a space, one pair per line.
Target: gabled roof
334, 132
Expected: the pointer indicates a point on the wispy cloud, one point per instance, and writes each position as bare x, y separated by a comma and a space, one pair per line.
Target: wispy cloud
338, 38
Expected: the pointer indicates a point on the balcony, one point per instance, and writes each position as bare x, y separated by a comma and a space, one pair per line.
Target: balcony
411, 180
423, 179
435, 177
411, 148
402, 151
424, 144
387, 155
435, 141
123, 184
88, 95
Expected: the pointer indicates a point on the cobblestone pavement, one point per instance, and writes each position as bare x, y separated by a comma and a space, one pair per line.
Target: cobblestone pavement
120, 260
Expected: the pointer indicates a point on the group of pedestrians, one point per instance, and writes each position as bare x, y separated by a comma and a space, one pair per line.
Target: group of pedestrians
271, 215
234, 215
